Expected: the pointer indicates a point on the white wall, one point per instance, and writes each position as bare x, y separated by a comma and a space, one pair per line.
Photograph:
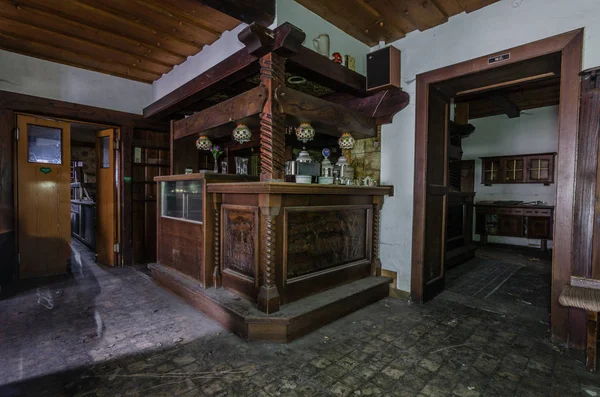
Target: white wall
536, 131
32, 76
466, 36
313, 25
227, 45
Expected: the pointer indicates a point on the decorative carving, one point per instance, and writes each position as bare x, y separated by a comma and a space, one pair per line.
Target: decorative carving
268, 297
217, 238
376, 262
269, 253
239, 240
272, 126
318, 240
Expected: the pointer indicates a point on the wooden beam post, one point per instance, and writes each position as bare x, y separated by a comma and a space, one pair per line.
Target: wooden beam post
272, 120
507, 106
268, 296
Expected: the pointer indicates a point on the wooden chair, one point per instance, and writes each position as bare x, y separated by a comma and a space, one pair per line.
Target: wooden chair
584, 293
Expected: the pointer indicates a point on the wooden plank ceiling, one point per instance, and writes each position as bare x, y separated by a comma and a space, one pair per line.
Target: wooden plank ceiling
373, 20
135, 39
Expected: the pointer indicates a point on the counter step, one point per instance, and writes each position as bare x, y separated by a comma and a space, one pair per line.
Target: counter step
292, 321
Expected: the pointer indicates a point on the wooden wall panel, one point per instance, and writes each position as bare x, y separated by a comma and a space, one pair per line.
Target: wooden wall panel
181, 246
7, 260
152, 160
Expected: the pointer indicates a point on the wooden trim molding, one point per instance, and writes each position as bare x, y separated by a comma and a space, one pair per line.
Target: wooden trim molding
570, 45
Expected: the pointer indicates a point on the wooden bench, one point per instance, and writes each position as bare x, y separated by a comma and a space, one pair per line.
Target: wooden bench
584, 293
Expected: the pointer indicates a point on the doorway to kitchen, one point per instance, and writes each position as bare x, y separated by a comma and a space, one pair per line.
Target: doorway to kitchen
437, 207
65, 194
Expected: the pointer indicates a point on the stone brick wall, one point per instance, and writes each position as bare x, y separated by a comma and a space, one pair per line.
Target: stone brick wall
366, 157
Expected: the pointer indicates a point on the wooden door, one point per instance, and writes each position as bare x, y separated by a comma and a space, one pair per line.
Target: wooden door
510, 225
106, 214
436, 194
43, 196
540, 169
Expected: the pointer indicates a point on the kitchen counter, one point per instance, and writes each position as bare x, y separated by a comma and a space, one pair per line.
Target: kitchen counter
501, 205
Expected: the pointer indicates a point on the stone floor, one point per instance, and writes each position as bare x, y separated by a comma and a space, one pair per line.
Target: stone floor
148, 343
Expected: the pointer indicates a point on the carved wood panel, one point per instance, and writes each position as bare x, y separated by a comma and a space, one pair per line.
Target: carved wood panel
321, 239
239, 241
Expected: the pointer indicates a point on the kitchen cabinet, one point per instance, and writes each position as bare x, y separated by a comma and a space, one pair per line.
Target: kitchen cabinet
527, 168
522, 220
83, 222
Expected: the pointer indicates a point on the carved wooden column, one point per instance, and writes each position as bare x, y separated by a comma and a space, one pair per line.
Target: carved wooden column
272, 120
376, 262
217, 199
268, 297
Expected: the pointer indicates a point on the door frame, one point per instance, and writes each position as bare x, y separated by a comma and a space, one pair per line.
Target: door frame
118, 176
570, 45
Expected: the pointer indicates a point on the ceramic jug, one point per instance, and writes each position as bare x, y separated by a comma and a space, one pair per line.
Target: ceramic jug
321, 44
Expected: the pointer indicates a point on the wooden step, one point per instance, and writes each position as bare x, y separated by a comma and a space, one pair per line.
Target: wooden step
293, 320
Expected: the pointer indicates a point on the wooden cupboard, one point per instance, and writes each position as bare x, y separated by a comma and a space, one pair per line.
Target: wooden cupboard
528, 168
534, 222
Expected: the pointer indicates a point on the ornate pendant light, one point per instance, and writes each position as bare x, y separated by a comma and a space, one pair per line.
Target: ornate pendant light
203, 143
305, 132
346, 141
242, 133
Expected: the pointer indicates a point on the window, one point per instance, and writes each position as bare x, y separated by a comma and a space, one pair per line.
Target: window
44, 144
105, 152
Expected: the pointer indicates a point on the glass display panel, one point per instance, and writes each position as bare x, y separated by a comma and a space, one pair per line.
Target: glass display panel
105, 152
44, 144
182, 200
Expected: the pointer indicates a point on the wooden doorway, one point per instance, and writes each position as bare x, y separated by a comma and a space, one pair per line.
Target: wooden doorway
425, 267
45, 228
43, 202
106, 198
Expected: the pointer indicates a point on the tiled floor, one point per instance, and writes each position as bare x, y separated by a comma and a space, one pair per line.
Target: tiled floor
151, 344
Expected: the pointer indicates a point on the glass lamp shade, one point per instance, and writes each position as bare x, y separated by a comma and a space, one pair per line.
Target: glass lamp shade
346, 141
305, 132
242, 133
203, 143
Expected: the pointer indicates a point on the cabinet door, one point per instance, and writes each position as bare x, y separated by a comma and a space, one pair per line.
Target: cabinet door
540, 169
510, 225
513, 170
491, 171
538, 227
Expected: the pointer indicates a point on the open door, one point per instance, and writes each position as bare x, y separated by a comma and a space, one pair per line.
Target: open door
43, 196
436, 194
106, 198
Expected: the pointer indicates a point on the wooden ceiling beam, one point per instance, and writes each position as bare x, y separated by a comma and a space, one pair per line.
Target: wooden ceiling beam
145, 14
331, 118
103, 8
241, 106
109, 22
248, 11
60, 55
47, 37
382, 105
74, 111
341, 18
474, 5
195, 12
174, 15
60, 24
232, 69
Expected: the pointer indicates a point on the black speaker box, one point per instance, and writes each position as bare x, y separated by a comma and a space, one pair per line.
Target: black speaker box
383, 68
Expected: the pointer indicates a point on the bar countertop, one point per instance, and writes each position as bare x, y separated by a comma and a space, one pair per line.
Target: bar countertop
298, 188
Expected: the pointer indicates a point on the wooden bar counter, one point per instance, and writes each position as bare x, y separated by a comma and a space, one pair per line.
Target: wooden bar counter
273, 244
